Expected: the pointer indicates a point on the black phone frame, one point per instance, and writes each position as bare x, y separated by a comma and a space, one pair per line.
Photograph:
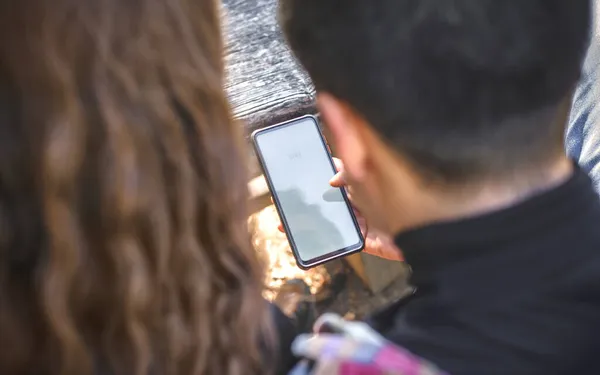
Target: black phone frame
311, 263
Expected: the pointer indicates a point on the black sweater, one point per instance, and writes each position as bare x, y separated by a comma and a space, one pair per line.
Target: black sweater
513, 292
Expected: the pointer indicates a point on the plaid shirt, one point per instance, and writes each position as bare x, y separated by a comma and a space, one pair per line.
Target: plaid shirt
354, 349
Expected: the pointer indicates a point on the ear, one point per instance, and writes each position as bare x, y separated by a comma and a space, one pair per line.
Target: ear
344, 126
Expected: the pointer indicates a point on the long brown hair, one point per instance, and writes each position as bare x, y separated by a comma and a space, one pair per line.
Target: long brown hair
123, 237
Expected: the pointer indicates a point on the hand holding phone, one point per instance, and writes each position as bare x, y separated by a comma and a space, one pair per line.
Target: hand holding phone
376, 243
318, 219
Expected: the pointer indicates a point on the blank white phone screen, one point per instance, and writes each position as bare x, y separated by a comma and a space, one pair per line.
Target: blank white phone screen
297, 162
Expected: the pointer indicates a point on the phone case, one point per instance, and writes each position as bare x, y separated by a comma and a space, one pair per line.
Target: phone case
305, 265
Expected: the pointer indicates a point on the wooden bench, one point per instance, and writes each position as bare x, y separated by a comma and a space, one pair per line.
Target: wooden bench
266, 86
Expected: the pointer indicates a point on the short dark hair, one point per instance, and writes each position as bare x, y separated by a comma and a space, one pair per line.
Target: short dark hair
462, 88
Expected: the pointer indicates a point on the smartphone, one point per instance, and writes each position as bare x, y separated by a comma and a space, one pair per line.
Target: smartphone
319, 222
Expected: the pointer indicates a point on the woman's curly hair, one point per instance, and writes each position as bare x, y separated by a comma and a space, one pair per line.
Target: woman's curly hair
124, 246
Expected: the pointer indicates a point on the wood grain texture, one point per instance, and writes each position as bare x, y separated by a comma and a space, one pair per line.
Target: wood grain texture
265, 84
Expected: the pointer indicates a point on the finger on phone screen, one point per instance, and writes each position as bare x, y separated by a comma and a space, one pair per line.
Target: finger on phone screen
338, 179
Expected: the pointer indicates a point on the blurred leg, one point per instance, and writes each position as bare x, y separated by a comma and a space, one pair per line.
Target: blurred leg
293, 313
286, 332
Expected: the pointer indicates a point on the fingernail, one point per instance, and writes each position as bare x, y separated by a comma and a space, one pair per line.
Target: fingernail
336, 181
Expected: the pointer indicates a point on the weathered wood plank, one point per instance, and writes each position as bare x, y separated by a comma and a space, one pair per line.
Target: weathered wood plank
379, 273
265, 83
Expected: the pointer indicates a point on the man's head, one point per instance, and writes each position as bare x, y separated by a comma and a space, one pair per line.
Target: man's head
456, 92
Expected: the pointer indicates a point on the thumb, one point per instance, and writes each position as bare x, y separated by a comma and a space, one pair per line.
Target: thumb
337, 180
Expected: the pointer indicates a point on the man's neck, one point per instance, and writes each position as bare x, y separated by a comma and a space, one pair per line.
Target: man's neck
423, 206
